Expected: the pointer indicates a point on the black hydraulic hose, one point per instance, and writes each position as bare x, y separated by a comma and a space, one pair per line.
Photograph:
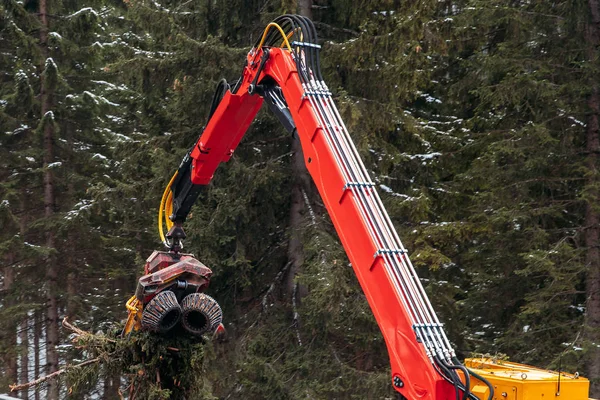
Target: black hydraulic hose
479, 377
306, 38
309, 36
487, 383
314, 50
467, 390
318, 58
297, 21
458, 366
272, 35
222, 88
460, 386
472, 373
452, 377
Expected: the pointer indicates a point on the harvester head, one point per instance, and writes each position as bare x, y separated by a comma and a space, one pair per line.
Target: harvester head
170, 293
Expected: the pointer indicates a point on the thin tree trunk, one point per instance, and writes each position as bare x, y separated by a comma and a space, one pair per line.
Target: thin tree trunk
72, 305
24, 326
295, 251
302, 184
24, 336
592, 217
9, 330
37, 332
67, 132
49, 201
305, 8
111, 387
301, 187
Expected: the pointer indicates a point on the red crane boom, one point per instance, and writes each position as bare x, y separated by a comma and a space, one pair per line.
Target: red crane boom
291, 76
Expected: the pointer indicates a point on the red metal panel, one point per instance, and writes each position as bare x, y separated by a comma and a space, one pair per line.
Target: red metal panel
223, 133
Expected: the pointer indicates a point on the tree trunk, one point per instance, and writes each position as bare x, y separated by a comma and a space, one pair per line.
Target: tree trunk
300, 188
295, 252
37, 332
592, 217
49, 201
72, 304
305, 8
111, 387
9, 330
24, 372
70, 261
24, 326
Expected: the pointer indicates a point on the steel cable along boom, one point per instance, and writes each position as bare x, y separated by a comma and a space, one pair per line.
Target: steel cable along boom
424, 364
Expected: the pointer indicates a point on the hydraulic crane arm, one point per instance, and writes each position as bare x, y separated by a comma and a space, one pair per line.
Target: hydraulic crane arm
289, 78
423, 362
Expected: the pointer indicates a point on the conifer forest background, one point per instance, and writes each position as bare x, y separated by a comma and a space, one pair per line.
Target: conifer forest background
478, 120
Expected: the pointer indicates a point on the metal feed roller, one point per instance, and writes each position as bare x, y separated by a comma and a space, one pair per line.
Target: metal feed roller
201, 313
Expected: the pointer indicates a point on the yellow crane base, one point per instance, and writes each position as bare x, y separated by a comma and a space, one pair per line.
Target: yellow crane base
514, 381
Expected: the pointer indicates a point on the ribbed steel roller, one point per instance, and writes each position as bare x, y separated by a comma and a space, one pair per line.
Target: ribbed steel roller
201, 313
162, 313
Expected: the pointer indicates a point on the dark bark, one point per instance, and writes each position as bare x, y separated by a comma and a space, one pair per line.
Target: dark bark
295, 251
302, 185
72, 304
9, 330
49, 204
24, 326
302, 188
592, 217
37, 332
111, 387
305, 8
24, 372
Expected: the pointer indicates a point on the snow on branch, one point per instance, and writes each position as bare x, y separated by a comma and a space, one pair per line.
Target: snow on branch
83, 11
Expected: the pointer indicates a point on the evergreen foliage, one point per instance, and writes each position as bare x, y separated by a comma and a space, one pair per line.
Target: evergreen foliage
469, 114
155, 367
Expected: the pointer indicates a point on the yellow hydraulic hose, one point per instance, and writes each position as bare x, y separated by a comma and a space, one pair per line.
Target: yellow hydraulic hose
169, 210
166, 208
289, 35
264, 36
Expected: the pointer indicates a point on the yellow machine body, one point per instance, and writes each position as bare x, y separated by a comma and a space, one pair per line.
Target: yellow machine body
514, 381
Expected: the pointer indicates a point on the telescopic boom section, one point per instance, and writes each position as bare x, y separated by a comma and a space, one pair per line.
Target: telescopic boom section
423, 362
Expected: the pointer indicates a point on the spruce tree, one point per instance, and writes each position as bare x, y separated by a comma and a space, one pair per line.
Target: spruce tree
58, 146
519, 77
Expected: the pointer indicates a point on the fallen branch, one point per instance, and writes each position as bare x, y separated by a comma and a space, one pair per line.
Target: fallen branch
163, 363
72, 328
53, 375
16, 388
80, 332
